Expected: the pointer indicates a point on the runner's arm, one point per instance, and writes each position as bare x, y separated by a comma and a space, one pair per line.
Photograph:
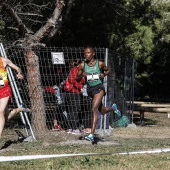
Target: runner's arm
13, 66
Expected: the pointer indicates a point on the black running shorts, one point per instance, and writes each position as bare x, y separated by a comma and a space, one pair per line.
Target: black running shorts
91, 91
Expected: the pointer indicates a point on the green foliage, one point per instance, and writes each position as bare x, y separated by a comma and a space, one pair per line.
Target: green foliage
145, 37
132, 29
2, 24
141, 43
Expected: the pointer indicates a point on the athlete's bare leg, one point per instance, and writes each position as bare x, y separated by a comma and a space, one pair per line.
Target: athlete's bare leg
3, 108
12, 113
5, 115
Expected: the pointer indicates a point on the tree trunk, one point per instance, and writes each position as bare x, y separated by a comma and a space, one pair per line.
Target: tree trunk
36, 92
34, 38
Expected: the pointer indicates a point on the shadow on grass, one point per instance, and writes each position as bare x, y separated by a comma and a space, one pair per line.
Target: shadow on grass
21, 138
96, 139
8, 143
146, 121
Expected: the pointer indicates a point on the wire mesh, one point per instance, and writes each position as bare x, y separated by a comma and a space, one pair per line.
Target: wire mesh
118, 85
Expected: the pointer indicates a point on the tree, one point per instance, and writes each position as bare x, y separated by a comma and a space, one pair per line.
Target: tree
141, 31
31, 25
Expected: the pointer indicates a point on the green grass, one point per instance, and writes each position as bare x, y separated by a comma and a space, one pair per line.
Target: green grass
127, 139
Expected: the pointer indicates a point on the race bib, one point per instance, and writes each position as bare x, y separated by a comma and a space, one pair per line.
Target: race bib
92, 77
1, 82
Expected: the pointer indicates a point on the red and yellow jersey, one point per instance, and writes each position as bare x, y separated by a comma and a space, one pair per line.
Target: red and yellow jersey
3, 74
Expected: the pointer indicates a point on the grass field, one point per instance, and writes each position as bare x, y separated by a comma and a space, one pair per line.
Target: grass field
155, 134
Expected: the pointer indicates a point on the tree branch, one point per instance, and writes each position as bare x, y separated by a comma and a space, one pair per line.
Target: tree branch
22, 28
25, 13
51, 23
60, 20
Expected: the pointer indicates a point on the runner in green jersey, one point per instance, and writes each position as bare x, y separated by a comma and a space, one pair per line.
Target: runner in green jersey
94, 71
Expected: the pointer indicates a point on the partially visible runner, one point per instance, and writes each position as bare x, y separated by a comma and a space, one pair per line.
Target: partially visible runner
94, 71
5, 92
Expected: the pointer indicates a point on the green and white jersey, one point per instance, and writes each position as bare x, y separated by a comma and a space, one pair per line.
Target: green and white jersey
92, 74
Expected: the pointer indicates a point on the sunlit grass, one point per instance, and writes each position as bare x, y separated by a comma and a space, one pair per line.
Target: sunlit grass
128, 139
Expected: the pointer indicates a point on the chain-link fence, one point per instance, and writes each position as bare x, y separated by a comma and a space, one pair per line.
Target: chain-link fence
53, 66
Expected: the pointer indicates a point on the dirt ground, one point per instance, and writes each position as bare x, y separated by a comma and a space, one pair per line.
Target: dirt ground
156, 126
153, 135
